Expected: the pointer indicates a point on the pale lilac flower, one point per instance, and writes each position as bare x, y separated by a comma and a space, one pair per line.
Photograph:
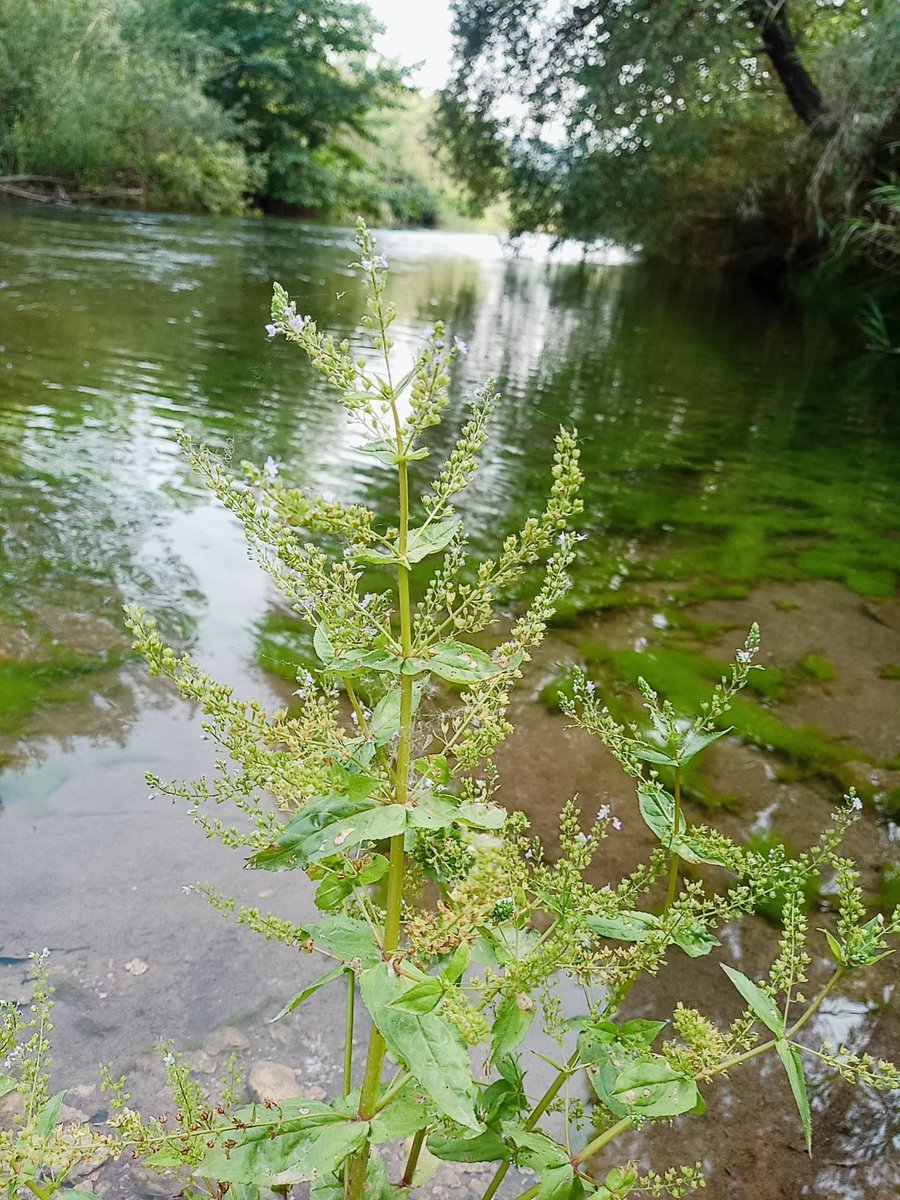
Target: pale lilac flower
616, 823
856, 804
270, 467
187, 889
461, 346
296, 323
590, 687
169, 1059
602, 812
271, 330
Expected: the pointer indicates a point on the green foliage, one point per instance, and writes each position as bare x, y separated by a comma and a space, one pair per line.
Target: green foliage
382, 780
731, 133
98, 94
298, 76
213, 105
39, 1150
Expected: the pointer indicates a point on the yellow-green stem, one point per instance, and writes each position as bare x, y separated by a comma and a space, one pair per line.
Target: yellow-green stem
368, 1101
348, 1033
536, 1113
409, 1171
673, 856
36, 1190
600, 1141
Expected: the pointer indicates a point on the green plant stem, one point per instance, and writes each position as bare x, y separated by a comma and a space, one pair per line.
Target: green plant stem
368, 1101
36, 1190
601, 1140
536, 1113
674, 860
409, 1171
348, 1033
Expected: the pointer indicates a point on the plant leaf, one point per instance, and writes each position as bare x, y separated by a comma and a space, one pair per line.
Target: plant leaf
695, 742
633, 926
654, 1089
7, 1085
431, 539
790, 1057
510, 1026
761, 1005
649, 754
486, 1147
428, 1045
309, 990
690, 936
49, 1113
537, 1151
348, 938
458, 663
405, 1115
303, 1141
421, 998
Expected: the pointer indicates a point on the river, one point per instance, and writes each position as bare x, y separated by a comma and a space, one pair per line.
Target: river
742, 462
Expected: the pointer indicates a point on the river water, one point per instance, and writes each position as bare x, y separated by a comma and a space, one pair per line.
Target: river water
742, 463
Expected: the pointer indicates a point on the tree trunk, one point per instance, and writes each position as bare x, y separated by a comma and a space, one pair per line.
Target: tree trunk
771, 19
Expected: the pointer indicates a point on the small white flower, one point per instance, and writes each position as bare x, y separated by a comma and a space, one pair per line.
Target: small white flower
461, 346
603, 812
270, 467
296, 323
187, 889
169, 1059
856, 804
616, 823
590, 687
272, 330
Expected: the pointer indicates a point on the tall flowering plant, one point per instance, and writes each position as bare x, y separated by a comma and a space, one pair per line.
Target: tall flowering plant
438, 912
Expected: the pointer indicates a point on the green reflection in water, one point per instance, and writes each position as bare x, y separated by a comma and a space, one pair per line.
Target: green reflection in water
725, 442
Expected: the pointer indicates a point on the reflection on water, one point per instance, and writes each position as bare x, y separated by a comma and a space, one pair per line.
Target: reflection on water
724, 443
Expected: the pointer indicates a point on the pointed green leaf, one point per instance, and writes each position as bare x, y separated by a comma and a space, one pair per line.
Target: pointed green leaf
7, 1085
790, 1057
633, 926
421, 998
431, 539
654, 1089
303, 1141
658, 810
459, 663
486, 1147
428, 1045
348, 938
692, 938
329, 825
837, 950
649, 754
537, 1151
761, 1005
511, 1024
308, 991
334, 890
48, 1115
695, 742
456, 965
406, 1114
560, 1183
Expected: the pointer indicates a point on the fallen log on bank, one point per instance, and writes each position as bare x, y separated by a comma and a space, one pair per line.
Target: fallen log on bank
47, 189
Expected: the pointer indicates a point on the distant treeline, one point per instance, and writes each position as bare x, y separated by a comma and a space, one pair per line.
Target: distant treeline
213, 105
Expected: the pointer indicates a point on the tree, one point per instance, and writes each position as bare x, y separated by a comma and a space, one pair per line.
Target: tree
736, 131
299, 76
